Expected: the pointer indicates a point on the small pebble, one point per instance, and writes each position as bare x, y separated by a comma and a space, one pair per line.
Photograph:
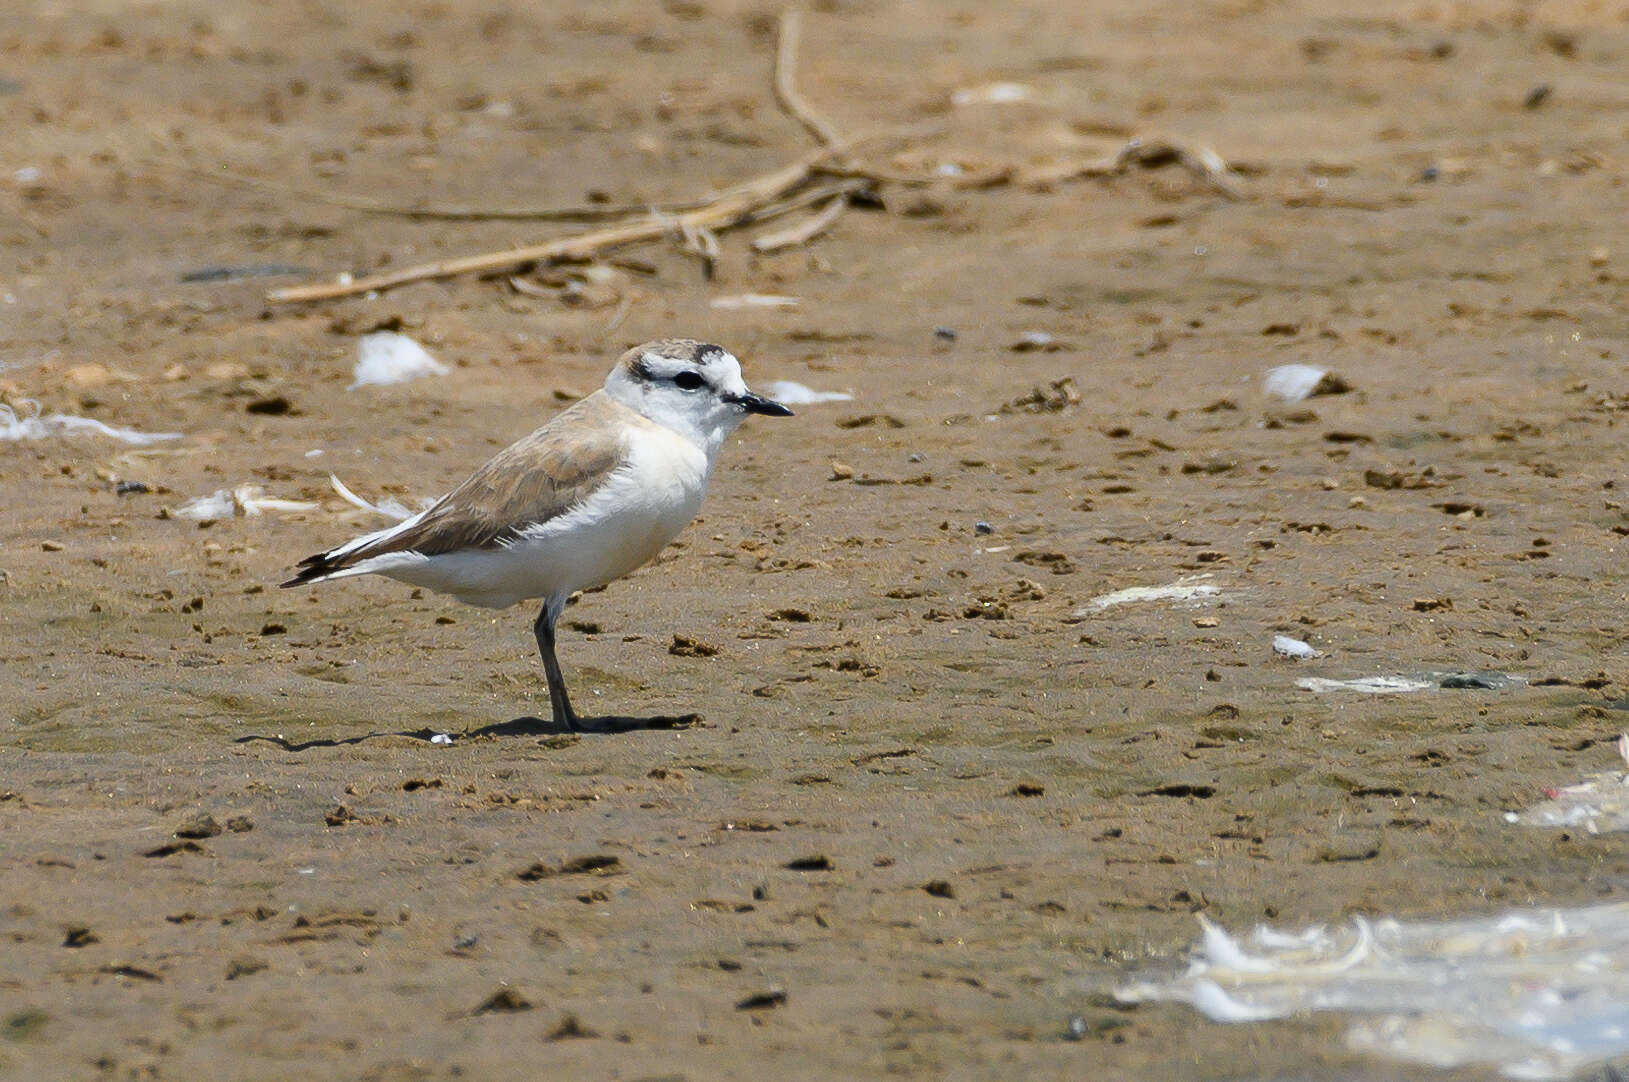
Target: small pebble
983, 528
127, 488
945, 334
1076, 1030
441, 738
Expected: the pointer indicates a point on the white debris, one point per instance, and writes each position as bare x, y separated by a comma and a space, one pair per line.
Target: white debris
755, 300
218, 504
1398, 683
242, 500
1187, 588
390, 507
1004, 93
37, 427
441, 738
1538, 994
388, 357
1294, 382
1214, 1003
1371, 685
1294, 649
796, 394
1599, 804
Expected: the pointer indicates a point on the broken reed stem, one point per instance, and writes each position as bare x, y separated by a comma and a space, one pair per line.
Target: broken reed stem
803, 231
764, 197
754, 200
786, 93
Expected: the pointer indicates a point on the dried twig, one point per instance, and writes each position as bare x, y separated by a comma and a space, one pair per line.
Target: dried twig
993, 177
624, 306
786, 56
702, 243
755, 200
1201, 161
762, 198
852, 186
803, 231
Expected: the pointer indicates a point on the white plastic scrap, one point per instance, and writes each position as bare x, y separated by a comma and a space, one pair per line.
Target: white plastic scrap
37, 427
1401, 683
388, 357
796, 394
1187, 588
1293, 382
754, 300
1368, 685
1539, 994
1294, 649
1599, 803
243, 500
1006, 93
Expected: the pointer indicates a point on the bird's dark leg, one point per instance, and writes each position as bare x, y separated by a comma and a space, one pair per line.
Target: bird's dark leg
564, 717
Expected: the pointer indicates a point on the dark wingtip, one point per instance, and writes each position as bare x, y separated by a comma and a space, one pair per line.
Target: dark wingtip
309, 568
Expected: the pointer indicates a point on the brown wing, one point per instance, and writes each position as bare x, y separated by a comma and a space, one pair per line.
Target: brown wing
529, 482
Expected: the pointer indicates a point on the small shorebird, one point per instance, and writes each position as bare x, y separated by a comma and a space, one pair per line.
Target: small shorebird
592, 495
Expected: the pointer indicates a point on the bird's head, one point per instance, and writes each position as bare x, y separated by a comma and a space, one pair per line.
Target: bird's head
694, 388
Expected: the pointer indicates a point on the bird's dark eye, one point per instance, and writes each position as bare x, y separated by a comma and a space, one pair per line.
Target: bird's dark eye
689, 381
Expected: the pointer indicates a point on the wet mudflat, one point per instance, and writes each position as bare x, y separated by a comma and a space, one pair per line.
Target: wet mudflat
947, 791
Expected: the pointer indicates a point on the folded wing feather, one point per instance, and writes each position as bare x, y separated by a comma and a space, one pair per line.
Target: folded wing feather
531, 481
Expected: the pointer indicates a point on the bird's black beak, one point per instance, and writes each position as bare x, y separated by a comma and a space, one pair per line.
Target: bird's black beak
757, 403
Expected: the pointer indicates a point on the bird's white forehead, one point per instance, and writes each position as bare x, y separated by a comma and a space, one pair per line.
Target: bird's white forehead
714, 361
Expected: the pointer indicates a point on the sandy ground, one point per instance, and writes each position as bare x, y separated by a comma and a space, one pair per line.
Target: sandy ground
939, 802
